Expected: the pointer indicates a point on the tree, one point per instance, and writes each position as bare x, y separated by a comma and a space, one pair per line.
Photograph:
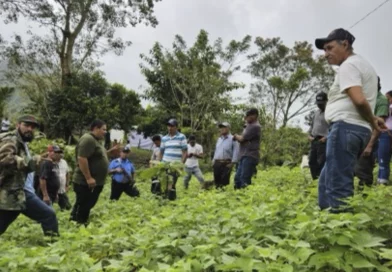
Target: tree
5, 93
193, 82
78, 30
287, 79
71, 109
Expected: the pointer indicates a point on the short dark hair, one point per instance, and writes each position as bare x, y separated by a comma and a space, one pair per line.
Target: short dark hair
97, 124
389, 93
192, 138
156, 138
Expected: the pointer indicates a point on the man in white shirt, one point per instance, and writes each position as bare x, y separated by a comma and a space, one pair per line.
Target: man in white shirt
349, 112
5, 125
156, 153
64, 184
195, 152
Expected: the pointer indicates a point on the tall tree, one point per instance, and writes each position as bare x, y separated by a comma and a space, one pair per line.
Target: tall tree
78, 30
194, 82
287, 79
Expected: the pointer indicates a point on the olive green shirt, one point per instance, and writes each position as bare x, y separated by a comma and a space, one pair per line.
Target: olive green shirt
89, 147
382, 106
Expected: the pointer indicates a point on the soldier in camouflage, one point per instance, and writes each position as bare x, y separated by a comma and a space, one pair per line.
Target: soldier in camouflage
17, 168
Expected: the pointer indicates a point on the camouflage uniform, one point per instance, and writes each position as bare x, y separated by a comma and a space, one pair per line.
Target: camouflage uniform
15, 164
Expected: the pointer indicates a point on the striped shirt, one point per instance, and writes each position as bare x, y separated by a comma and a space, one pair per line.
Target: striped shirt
226, 149
172, 147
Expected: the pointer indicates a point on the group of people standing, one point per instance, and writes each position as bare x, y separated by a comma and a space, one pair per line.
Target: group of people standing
352, 126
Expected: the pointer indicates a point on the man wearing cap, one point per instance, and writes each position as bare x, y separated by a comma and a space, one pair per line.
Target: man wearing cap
249, 154
194, 153
225, 156
318, 137
17, 193
352, 99
365, 165
49, 180
173, 149
123, 176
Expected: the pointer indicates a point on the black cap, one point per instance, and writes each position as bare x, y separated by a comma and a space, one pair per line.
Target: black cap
321, 98
252, 111
338, 34
126, 149
28, 119
172, 122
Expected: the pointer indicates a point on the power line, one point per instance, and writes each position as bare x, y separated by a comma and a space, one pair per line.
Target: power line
367, 15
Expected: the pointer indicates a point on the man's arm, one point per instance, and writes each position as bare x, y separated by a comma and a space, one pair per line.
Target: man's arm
236, 151
44, 191
359, 100
369, 148
184, 155
84, 167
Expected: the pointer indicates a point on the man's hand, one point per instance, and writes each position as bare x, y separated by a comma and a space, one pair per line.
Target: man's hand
119, 170
46, 199
310, 138
91, 183
368, 151
230, 165
323, 140
379, 124
190, 155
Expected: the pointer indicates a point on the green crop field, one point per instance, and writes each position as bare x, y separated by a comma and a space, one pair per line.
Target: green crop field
274, 225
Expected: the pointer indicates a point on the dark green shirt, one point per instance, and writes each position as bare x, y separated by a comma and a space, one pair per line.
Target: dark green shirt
382, 106
89, 147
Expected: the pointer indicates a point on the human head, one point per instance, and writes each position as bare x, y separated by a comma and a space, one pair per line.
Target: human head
224, 128
125, 152
192, 140
251, 115
98, 129
26, 126
156, 139
321, 100
54, 152
337, 46
389, 96
172, 126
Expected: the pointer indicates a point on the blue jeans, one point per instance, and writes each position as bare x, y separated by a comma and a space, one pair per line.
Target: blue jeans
37, 210
384, 156
246, 169
192, 171
344, 146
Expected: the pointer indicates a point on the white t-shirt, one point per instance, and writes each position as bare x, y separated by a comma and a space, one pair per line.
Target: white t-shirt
354, 71
193, 162
63, 170
5, 125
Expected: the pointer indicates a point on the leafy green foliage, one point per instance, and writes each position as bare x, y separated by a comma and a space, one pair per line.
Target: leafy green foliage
193, 82
5, 93
72, 109
274, 225
287, 79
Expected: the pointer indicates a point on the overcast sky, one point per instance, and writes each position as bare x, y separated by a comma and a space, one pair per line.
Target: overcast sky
233, 19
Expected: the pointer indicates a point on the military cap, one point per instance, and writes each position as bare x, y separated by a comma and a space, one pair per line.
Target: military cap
29, 119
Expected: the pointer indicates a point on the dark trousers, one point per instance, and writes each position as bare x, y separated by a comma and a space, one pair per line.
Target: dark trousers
172, 178
317, 157
119, 188
364, 169
245, 171
64, 202
86, 199
222, 173
36, 210
156, 186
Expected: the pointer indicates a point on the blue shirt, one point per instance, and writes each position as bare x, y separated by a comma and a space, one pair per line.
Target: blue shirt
172, 147
226, 149
125, 164
29, 183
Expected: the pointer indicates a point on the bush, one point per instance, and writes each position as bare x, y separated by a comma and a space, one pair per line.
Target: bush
273, 225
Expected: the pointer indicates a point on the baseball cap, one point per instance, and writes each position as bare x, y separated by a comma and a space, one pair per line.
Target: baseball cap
28, 119
252, 111
172, 122
337, 34
321, 98
126, 149
54, 148
224, 124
